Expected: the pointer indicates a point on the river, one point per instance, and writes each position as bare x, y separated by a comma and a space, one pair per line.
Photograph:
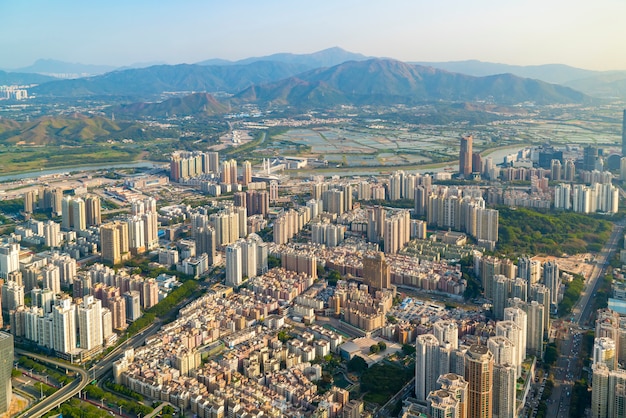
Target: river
60, 170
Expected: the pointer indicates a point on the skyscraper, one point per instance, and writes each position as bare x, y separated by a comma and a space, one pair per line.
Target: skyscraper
6, 365
479, 376
93, 210
427, 369
90, 323
376, 272
624, 134
465, 156
114, 241
234, 265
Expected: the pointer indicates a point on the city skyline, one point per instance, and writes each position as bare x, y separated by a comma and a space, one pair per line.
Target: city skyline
119, 33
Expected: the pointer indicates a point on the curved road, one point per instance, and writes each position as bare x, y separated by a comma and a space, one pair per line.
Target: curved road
60, 396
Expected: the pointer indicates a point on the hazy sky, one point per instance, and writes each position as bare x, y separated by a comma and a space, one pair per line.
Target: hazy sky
582, 33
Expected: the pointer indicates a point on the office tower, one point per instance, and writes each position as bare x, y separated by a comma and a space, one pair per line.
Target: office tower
604, 351
376, 271
504, 380
447, 332
477, 163
51, 278
133, 305
427, 369
234, 265
90, 323
624, 134
456, 385
114, 242
6, 365
9, 259
479, 376
465, 156
93, 209
555, 170
64, 325
590, 155
246, 176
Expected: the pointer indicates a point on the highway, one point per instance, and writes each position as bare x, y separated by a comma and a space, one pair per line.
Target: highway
567, 368
60, 396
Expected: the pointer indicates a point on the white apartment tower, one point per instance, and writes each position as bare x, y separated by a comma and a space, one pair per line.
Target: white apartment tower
90, 323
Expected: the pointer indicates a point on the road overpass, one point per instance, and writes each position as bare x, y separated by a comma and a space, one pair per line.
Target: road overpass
57, 398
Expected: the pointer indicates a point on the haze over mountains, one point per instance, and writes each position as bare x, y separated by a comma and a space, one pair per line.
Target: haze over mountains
326, 78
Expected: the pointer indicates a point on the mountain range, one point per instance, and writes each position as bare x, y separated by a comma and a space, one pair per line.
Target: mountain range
74, 130
327, 78
196, 104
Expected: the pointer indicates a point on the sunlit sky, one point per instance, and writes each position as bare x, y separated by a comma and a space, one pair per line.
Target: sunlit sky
581, 33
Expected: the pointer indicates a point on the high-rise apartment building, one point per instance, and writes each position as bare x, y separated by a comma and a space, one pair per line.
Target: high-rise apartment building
6, 365
90, 323
479, 376
114, 242
133, 305
234, 265
9, 259
246, 175
64, 325
93, 210
376, 271
427, 369
504, 380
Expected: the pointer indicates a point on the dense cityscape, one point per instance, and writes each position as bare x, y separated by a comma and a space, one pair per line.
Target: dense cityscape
282, 293
214, 210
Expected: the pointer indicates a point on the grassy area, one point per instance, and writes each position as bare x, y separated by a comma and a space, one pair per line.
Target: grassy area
381, 381
21, 160
528, 231
572, 293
